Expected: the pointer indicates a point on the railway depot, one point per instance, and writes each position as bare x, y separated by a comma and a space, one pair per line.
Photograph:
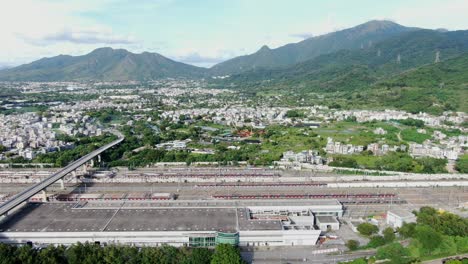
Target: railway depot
178, 223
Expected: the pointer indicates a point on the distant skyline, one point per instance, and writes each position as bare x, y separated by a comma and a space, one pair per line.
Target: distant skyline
202, 32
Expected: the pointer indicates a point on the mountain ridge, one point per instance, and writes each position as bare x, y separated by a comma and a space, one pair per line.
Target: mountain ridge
102, 64
379, 61
372, 47
356, 37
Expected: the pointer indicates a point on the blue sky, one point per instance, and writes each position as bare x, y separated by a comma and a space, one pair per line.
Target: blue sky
200, 32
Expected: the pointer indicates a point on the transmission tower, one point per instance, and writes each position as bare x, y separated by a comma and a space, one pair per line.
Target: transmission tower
379, 53
398, 59
437, 58
369, 44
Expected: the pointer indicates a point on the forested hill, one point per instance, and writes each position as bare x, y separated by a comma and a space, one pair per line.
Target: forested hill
451, 73
361, 36
356, 69
105, 64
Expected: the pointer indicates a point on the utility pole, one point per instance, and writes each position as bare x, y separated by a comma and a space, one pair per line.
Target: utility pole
437, 58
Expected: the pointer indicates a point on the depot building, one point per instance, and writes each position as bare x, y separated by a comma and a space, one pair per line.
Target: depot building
177, 223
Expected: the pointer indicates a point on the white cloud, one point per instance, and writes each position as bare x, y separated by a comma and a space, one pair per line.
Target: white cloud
434, 14
195, 58
304, 35
204, 56
32, 29
79, 36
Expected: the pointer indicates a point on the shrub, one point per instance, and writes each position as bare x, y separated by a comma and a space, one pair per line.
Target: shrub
367, 229
352, 244
394, 252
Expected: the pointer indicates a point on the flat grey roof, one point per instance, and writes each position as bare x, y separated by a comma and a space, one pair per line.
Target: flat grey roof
174, 219
402, 213
211, 215
247, 224
62, 218
326, 219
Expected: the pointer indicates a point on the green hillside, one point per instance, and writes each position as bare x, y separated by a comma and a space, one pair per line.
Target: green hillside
102, 64
373, 78
434, 88
354, 69
361, 36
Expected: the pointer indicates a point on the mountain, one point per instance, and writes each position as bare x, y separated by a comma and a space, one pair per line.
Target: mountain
446, 74
105, 64
353, 69
361, 36
431, 88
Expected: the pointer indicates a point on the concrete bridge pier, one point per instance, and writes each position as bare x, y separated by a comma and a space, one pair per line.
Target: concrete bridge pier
44, 196
62, 186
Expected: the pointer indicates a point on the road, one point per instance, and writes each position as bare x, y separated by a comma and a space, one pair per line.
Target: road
298, 255
31, 191
439, 260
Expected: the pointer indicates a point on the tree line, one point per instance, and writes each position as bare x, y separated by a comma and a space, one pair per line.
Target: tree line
89, 253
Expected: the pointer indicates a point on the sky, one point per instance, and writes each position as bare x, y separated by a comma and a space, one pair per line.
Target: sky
198, 32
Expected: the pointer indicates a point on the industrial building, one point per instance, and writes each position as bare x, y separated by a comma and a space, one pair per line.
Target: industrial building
396, 218
177, 223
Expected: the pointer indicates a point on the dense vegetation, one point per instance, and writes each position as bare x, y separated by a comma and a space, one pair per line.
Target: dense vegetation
114, 254
83, 146
393, 161
268, 145
361, 78
435, 234
462, 164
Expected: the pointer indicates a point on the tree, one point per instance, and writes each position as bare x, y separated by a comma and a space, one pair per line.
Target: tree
376, 241
341, 161
462, 164
226, 254
294, 113
407, 230
388, 234
445, 223
200, 256
52, 255
26, 254
367, 229
394, 252
150, 255
7, 254
429, 238
352, 244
